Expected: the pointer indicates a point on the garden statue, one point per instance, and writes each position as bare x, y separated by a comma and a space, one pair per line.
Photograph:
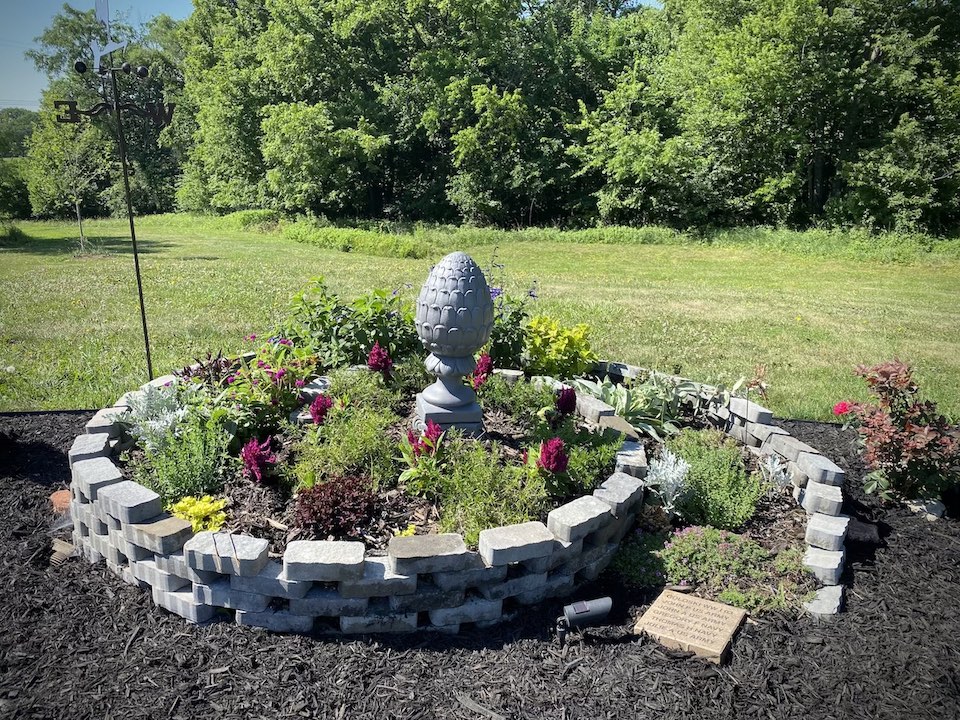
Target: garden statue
454, 319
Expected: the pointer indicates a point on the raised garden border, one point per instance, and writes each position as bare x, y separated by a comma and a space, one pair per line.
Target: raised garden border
428, 582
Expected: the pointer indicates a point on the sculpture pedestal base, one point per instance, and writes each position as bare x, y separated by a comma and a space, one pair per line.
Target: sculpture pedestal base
468, 418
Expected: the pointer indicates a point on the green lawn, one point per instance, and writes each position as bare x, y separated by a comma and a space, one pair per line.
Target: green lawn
70, 329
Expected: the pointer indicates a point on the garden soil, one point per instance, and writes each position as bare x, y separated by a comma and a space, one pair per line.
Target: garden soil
75, 642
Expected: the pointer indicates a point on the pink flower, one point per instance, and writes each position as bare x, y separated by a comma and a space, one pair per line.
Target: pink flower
841, 408
231, 379
483, 372
566, 401
256, 457
428, 442
250, 337
553, 458
319, 407
379, 360
300, 383
433, 432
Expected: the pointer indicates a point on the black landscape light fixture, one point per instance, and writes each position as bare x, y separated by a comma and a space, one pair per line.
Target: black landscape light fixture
160, 114
582, 614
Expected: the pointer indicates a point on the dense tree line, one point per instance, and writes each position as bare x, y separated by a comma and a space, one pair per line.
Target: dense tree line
573, 112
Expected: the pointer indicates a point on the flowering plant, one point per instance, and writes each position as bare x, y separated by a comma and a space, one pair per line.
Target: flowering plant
379, 360
424, 458
483, 371
320, 407
257, 458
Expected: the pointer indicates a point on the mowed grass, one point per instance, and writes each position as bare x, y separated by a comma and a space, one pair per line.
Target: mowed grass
70, 327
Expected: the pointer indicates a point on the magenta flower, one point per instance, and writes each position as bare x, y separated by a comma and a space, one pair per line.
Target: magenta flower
251, 337
566, 401
483, 372
553, 458
257, 457
841, 408
319, 408
379, 360
427, 443
300, 383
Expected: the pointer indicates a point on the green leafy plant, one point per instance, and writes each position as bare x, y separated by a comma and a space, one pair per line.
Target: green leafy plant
719, 491
424, 457
153, 415
653, 406
520, 400
203, 513
557, 351
638, 563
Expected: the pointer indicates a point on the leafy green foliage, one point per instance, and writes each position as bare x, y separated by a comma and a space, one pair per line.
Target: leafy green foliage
653, 405
637, 563
14, 193
520, 400
719, 491
557, 351
16, 124
204, 513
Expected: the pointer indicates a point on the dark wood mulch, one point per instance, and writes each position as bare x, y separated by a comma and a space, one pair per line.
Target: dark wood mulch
77, 643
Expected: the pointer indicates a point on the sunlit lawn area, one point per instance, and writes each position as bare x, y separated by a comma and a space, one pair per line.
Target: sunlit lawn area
70, 327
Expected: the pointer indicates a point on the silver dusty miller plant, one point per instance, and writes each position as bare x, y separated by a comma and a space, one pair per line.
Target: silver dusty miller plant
774, 471
153, 415
667, 475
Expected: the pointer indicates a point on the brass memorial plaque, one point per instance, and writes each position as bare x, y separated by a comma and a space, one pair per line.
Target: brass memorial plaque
685, 622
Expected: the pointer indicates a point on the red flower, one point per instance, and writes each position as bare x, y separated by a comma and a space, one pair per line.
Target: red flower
428, 443
256, 457
553, 458
841, 408
566, 401
319, 407
379, 360
483, 372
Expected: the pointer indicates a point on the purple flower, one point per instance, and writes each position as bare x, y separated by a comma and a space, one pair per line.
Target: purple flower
250, 337
231, 379
379, 360
256, 458
319, 407
553, 458
300, 383
495, 292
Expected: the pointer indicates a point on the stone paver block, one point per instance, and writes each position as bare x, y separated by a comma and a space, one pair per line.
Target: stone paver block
327, 602
827, 603
272, 582
827, 531
564, 552
181, 602
86, 447
402, 623
557, 585
130, 502
378, 581
323, 560
622, 492
797, 476
313, 388
176, 564
104, 422
148, 572
163, 534
132, 552
281, 621
819, 469
427, 597
591, 570
592, 409
739, 433
578, 518
749, 410
511, 377
616, 368
515, 543
162, 381
762, 432
479, 574
632, 459
474, 609
101, 543
95, 474
514, 586
827, 565
616, 424
612, 532
227, 553
788, 446
820, 498
428, 554
219, 594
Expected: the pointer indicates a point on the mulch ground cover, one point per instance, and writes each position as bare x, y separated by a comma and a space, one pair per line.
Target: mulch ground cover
75, 642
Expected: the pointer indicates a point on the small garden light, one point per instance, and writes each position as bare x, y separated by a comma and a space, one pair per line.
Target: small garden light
582, 614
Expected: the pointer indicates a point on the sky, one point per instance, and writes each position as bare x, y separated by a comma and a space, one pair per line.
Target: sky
24, 20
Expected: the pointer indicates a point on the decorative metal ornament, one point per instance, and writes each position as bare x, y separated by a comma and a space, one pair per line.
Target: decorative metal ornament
454, 319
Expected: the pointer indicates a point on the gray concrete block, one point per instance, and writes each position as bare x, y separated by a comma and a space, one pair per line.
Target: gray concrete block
428, 554
827, 565
578, 518
327, 602
176, 564
163, 534
632, 459
101, 544
739, 433
527, 583
89, 446
162, 381
474, 609
95, 474
181, 602
819, 469
622, 492
797, 477
762, 431
592, 409
827, 531
591, 570
227, 553
563, 552
378, 581
309, 392
606, 367
787, 446
130, 502
272, 582
219, 594
749, 410
105, 422
323, 560
148, 572
827, 603
281, 621
612, 531
616, 424
472, 577
427, 597
132, 552
402, 623
820, 498
515, 543
90, 554
557, 585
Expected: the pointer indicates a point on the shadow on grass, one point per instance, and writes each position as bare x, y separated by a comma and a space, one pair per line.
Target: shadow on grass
19, 241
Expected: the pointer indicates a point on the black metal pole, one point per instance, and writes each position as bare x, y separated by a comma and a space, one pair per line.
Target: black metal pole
133, 232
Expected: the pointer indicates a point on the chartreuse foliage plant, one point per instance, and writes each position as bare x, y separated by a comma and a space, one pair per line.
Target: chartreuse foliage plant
561, 352
718, 490
204, 513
